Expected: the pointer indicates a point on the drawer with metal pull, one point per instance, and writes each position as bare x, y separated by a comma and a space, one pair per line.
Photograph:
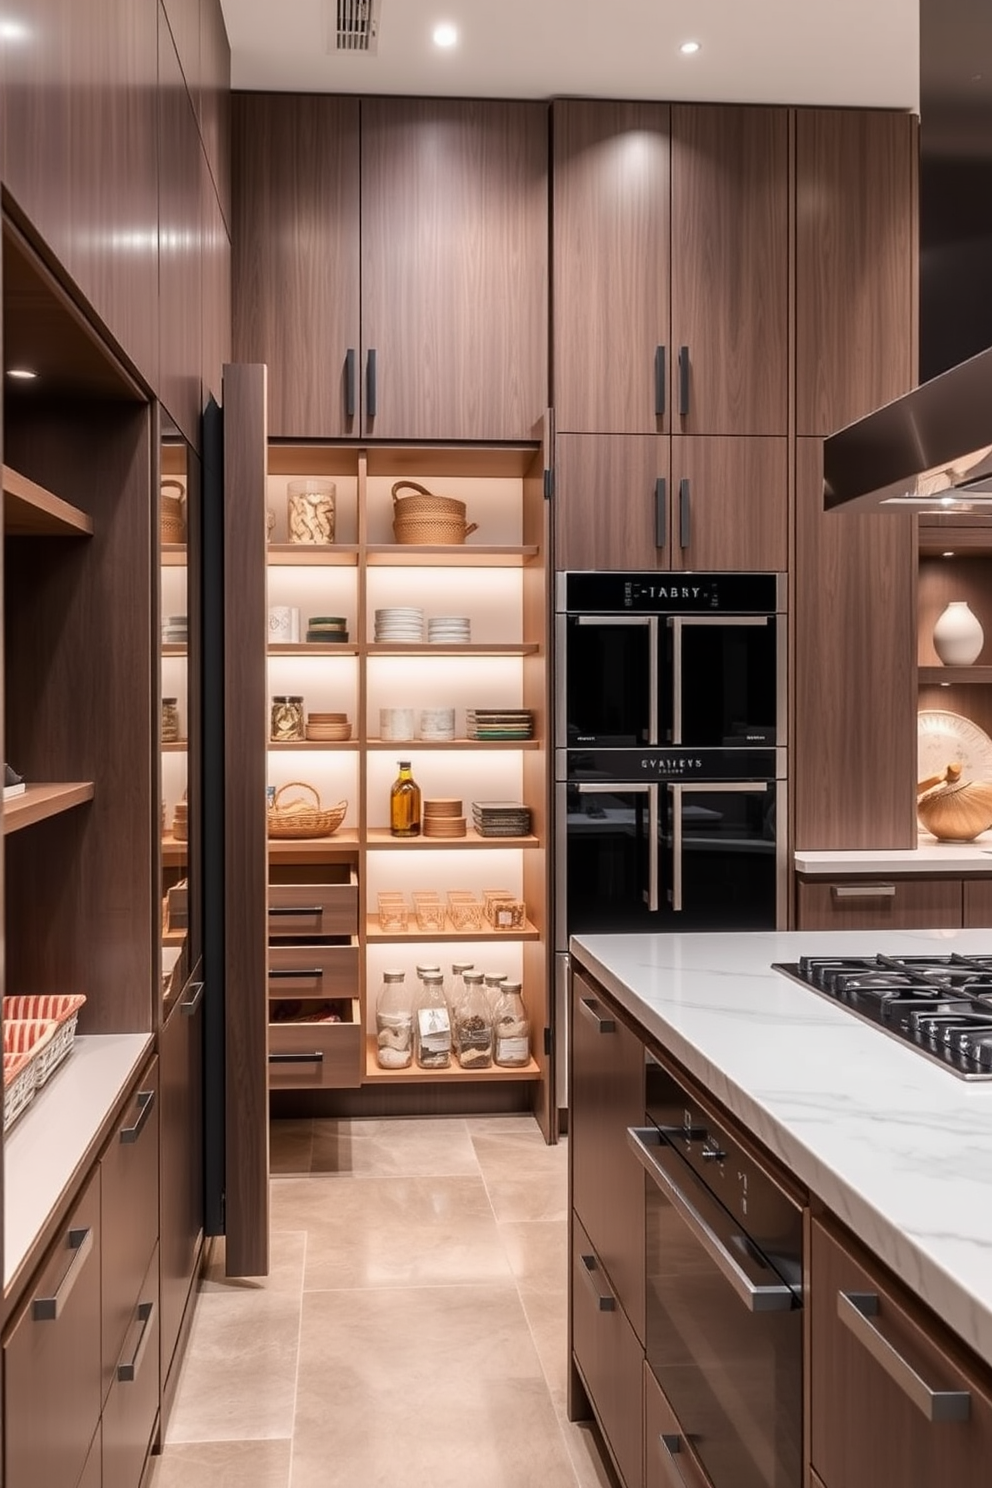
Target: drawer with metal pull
325, 904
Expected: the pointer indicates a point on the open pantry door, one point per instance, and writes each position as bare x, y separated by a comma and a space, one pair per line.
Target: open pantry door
236, 1155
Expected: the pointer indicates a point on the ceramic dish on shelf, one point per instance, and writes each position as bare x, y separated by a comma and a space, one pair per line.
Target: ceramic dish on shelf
949, 738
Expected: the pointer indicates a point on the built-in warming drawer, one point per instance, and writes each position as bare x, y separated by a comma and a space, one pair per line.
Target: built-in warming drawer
326, 903
313, 1056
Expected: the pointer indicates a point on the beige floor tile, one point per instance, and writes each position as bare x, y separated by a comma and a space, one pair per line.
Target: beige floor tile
527, 1198
537, 1250
523, 1125
290, 1146
415, 1146
394, 1232
287, 1253
588, 1458
546, 1312
252, 1464
430, 1388
239, 1376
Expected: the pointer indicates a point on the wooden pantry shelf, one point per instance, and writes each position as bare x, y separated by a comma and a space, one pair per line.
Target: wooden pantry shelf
31, 511
317, 744
39, 802
454, 1074
954, 676
172, 555
313, 648
417, 744
344, 843
381, 837
175, 746
175, 851
452, 555
173, 648
420, 937
424, 648
312, 555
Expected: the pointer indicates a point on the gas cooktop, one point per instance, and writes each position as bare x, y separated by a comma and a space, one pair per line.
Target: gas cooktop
940, 1005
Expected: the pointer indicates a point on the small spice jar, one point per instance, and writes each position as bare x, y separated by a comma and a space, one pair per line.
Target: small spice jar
170, 720
287, 725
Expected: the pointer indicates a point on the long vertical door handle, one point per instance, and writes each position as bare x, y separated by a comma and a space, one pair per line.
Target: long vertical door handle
660, 503
653, 874
683, 380
685, 514
370, 384
349, 382
676, 795
659, 384
675, 622
654, 668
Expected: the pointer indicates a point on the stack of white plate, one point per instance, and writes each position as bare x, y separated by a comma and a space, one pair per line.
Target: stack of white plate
175, 630
399, 623
449, 630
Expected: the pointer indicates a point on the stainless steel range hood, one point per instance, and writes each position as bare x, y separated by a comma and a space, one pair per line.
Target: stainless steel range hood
929, 451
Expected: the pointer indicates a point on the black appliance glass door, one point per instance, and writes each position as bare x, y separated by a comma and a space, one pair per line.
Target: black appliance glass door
720, 864
610, 855
611, 678
723, 1331
718, 686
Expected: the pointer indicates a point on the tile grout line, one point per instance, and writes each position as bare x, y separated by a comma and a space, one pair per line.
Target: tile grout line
299, 1355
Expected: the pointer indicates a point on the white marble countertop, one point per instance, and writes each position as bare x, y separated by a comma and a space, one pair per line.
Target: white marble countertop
898, 1148
929, 857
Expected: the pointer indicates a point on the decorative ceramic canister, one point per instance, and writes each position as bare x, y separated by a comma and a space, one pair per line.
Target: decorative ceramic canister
958, 637
311, 510
284, 624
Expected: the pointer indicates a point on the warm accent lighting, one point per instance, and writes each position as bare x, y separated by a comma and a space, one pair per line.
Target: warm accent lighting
949, 554
445, 35
689, 48
23, 374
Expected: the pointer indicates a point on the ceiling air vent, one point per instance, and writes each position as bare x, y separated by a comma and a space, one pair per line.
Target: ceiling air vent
357, 27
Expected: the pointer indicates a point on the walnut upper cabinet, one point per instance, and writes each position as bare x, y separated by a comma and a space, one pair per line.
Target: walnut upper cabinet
671, 255
856, 263
390, 264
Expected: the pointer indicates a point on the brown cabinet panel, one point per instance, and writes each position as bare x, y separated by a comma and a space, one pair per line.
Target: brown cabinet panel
132, 1407
296, 261
730, 503
880, 904
609, 1356
730, 269
664, 1441
180, 312
38, 115
611, 501
51, 1358
181, 1086
854, 659
454, 268
611, 266
183, 17
216, 272
865, 1427
129, 1215
977, 909
607, 1085
214, 100
856, 233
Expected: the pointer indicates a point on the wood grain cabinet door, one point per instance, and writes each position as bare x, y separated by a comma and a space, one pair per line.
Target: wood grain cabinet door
856, 235
730, 270
454, 268
296, 257
880, 904
730, 503
610, 255
612, 502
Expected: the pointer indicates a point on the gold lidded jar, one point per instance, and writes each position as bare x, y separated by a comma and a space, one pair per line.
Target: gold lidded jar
287, 724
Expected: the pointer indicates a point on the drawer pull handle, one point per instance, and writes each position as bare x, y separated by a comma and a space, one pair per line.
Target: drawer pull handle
127, 1372
855, 1310
281, 973
146, 1100
863, 891
670, 1445
605, 1301
603, 1025
316, 1057
192, 1003
684, 381
296, 909
349, 383
659, 386
49, 1309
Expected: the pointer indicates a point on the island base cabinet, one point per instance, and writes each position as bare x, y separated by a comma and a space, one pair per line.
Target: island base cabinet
891, 1400
880, 904
131, 1411
609, 1357
668, 1460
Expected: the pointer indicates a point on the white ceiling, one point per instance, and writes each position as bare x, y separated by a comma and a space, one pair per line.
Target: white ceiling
854, 52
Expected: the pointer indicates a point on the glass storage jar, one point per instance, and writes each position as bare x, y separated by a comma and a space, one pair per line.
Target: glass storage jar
287, 725
474, 1024
432, 1024
511, 1028
394, 1022
170, 720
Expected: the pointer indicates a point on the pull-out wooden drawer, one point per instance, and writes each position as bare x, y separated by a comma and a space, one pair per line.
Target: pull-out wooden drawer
326, 903
129, 1214
313, 1056
313, 972
668, 1457
609, 1357
880, 904
51, 1382
132, 1405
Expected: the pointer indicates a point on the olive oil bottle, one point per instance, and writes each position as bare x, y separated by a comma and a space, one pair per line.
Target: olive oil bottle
404, 804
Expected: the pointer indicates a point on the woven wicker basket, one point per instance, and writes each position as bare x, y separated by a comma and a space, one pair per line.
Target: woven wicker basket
425, 503
426, 520
18, 1086
173, 512
302, 818
61, 1009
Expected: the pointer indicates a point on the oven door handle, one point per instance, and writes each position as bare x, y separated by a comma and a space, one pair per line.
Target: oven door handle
775, 1298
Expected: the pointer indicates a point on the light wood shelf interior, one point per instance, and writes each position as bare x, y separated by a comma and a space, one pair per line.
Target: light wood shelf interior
31, 510
454, 1074
374, 935
41, 801
381, 837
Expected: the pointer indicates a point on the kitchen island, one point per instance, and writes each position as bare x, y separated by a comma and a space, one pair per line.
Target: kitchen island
892, 1146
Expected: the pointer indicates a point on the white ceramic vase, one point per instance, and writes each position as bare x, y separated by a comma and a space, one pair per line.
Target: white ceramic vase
958, 637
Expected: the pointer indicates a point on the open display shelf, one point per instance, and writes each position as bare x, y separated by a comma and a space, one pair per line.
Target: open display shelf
41, 801
454, 1074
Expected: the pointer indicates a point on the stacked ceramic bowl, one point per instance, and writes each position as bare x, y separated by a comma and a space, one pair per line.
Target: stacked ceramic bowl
443, 818
437, 724
449, 630
327, 628
399, 623
175, 630
330, 728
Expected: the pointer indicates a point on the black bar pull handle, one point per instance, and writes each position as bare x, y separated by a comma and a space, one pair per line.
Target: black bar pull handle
349, 383
659, 383
370, 384
660, 508
287, 973
296, 909
683, 380
315, 1058
685, 514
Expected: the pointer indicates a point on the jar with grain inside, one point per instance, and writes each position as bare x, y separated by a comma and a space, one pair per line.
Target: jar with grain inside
432, 1024
287, 724
394, 1022
473, 1024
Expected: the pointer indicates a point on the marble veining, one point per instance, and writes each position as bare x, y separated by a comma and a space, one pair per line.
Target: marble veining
899, 1149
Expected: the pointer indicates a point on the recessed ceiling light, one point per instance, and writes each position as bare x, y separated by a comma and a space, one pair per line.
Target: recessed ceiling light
24, 374
949, 554
445, 35
689, 47
13, 31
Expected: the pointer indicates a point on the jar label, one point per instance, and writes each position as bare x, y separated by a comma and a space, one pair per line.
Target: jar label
512, 1050
435, 1030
